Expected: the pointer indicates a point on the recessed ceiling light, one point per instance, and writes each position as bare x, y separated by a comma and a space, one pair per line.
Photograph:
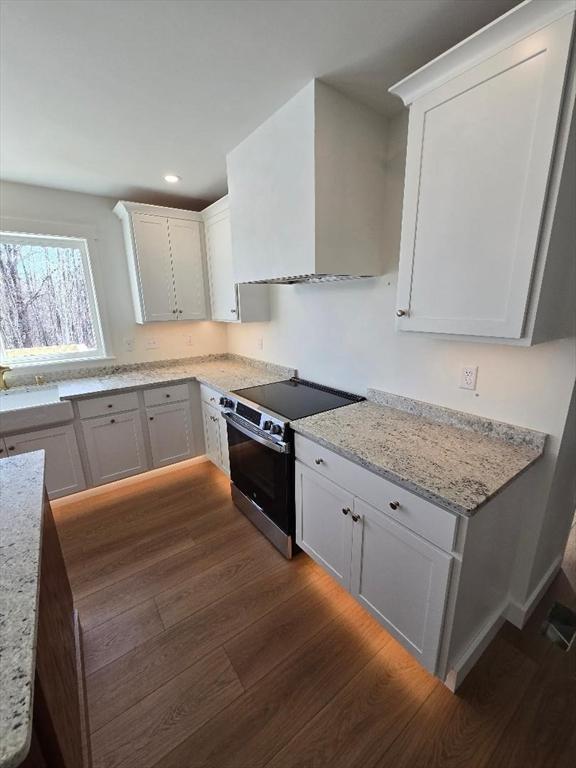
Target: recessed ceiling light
171, 178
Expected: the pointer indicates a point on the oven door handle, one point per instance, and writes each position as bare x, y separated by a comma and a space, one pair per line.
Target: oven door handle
278, 447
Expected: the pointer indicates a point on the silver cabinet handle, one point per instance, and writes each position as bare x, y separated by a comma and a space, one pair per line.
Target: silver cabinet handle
233, 311
180, 311
318, 461
401, 312
151, 418
112, 421
356, 517
174, 311
346, 510
394, 504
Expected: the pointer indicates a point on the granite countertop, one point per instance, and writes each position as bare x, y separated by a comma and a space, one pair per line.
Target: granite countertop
455, 460
222, 373
20, 547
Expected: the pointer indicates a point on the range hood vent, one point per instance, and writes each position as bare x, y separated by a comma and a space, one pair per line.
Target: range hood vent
295, 279
307, 193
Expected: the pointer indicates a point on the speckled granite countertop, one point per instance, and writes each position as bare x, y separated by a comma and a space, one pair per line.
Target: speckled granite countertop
20, 546
222, 372
455, 460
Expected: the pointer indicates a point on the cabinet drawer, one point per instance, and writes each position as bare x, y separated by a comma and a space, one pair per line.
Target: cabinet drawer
100, 406
172, 394
429, 521
210, 396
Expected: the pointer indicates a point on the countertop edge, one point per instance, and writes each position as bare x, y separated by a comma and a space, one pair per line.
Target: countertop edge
19, 751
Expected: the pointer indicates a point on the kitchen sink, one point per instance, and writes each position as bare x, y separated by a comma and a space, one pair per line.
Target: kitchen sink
23, 409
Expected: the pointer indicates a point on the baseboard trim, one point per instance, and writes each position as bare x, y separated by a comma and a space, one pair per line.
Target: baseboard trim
458, 671
519, 613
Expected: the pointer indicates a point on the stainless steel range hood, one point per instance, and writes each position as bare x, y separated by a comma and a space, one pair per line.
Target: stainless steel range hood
306, 193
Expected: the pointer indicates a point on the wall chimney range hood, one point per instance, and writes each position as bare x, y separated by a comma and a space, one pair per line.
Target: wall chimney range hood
306, 192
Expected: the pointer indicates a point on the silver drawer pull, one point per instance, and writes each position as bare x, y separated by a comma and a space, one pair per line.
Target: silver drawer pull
318, 461
394, 504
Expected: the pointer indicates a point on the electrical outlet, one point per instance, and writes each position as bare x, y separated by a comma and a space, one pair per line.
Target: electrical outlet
260, 342
468, 376
129, 345
188, 340
151, 342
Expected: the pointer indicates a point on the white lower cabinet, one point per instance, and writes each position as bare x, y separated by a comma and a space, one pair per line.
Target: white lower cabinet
324, 522
215, 429
115, 446
224, 453
399, 577
63, 472
170, 430
215, 437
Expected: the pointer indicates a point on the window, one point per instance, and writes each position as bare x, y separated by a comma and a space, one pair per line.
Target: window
48, 309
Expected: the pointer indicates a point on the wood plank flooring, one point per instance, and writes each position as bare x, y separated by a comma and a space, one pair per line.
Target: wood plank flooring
206, 649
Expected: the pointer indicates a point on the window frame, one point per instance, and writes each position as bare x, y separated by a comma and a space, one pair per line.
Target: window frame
83, 238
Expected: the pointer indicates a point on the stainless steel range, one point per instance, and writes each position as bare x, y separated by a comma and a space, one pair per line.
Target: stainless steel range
261, 447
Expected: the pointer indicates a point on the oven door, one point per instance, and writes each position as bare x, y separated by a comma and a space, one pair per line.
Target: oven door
264, 472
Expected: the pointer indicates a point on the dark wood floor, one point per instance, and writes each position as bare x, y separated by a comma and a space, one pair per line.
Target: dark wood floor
204, 647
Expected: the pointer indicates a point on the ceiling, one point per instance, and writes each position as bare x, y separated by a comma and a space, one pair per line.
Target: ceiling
107, 96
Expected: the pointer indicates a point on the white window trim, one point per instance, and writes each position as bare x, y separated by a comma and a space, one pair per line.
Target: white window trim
64, 231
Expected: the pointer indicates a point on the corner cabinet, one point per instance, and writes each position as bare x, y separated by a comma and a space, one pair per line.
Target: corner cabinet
164, 248
63, 469
487, 229
230, 303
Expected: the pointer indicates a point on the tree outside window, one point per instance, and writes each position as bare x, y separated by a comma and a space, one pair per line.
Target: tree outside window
48, 308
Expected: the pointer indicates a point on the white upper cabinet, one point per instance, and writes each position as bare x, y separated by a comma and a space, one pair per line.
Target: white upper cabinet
165, 261
153, 269
230, 303
483, 233
307, 191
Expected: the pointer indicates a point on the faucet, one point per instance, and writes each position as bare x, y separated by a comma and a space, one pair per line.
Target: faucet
3, 371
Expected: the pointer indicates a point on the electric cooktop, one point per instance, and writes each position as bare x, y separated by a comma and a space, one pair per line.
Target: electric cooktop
296, 398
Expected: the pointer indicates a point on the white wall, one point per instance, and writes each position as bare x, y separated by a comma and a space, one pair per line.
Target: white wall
343, 334
109, 263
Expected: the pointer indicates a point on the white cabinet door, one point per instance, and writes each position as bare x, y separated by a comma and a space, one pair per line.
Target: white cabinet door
224, 453
324, 522
170, 428
115, 446
223, 296
186, 250
211, 419
401, 579
154, 274
63, 473
480, 149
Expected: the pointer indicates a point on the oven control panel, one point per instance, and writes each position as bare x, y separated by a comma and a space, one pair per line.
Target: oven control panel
263, 421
